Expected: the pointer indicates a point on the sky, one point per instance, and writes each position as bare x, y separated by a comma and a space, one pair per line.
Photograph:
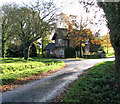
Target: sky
68, 7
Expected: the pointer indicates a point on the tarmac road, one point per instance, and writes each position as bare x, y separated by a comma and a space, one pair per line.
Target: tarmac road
45, 89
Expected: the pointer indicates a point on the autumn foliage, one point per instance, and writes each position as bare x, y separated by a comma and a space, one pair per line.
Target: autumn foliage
78, 33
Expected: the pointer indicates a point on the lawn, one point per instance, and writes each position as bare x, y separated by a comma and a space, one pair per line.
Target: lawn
110, 49
18, 68
96, 87
110, 54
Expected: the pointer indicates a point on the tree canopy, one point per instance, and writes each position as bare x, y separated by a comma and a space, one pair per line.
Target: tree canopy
78, 31
112, 13
29, 22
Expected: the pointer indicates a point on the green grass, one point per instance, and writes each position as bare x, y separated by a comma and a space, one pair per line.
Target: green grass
17, 68
110, 54
110, 49
96, 87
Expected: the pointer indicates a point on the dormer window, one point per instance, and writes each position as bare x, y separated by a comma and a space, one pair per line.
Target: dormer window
59, 41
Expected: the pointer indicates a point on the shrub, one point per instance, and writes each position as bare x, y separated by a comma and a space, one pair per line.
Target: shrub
33, 51
70, 52
14, 51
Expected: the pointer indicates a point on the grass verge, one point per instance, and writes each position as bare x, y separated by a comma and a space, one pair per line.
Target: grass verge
96, 87
18, 68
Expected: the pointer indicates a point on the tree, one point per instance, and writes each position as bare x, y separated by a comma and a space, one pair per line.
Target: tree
45, 39
7, 33
106, 41
33, 50
38, 44
77, 31
14, 50
112, 11
31, 22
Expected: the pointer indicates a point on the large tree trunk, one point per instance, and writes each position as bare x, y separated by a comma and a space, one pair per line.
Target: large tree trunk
26, 48
107, 47
80, 50
117, 68
42, 49
3, 50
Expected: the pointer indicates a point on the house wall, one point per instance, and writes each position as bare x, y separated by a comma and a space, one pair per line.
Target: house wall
63, 42
58, 52
67, 43
54, 52
47, 53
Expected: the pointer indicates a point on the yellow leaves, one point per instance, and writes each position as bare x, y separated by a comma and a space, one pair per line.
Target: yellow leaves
83, 44
105, 40
78, 35
92, 41
96, 41
76, 32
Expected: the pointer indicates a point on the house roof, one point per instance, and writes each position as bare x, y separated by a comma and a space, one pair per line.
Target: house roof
50, 46
61, 31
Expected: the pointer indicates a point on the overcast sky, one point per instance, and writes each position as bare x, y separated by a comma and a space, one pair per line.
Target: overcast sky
68, 7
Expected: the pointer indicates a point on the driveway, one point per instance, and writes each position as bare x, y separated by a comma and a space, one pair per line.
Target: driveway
45, 89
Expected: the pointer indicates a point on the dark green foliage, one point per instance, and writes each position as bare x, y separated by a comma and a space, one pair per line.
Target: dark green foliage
33, 51
53, 56
14, 51
77, 48
112, 13
94, 47
96, 87
17, 51
101, 48
70, 52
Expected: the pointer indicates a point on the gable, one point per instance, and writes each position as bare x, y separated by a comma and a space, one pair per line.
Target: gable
61, 33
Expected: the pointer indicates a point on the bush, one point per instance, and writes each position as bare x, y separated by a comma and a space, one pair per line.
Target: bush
95, 47
33, 51
14, 51
70, 52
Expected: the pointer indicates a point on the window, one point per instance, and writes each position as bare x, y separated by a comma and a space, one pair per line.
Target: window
59, 41
61, 52
51, 52
86, 42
